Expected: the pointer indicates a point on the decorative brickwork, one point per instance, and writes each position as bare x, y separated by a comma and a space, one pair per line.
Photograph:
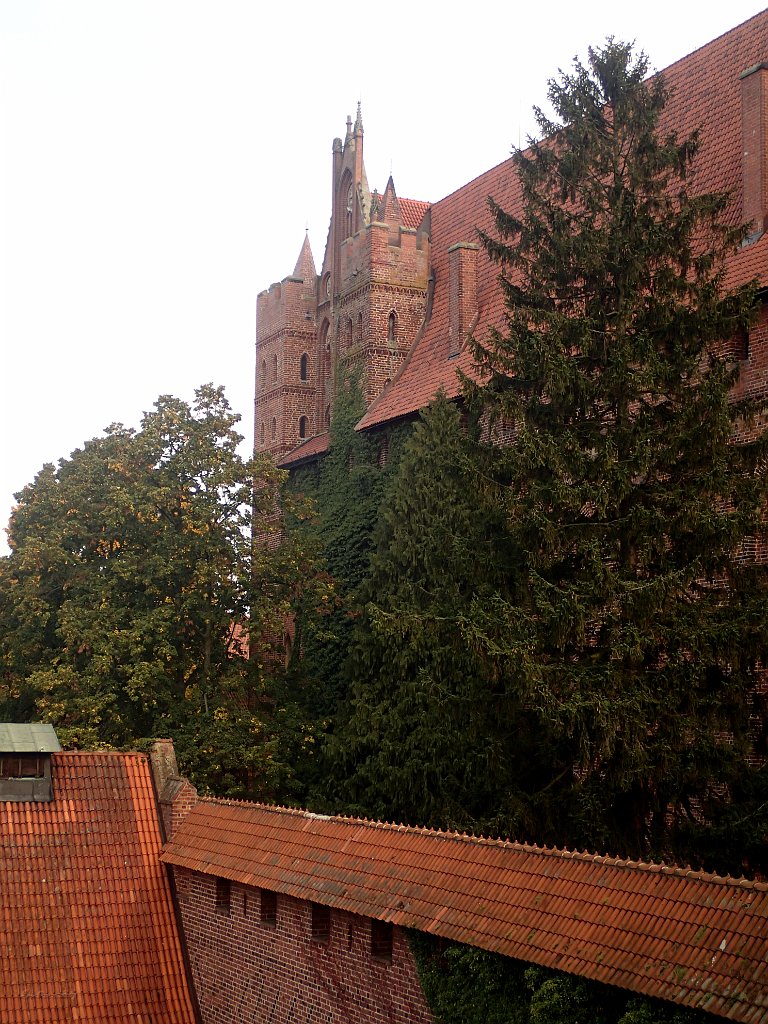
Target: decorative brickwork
247, 969
360, 314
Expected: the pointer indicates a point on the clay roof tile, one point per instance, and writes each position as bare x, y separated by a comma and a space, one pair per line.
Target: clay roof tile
606, 918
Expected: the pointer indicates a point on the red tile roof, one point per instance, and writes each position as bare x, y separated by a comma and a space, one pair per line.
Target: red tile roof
317, 445
412, 212
706, 95
87, 927
683, 936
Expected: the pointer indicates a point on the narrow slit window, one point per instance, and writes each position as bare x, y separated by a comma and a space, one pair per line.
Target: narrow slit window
381, 941
321, 923
304, 366
223, 896
268, 908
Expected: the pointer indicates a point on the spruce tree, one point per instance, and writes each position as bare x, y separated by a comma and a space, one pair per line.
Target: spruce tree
433, 732
624, 490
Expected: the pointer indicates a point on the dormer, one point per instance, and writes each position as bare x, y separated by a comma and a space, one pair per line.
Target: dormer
25, 762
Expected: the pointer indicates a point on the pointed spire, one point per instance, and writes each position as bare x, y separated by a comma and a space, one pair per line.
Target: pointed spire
305, 264
358, 121
349, 130
389, 206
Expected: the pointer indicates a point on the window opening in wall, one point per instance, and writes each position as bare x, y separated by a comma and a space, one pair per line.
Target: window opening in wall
321, 923
268, 908
381, 941
742, 344
383, 453
359, 327
303, 427
304, 366
274, 367
223, 896
392, 327
348, 218
22, 766
350, 337
263, 373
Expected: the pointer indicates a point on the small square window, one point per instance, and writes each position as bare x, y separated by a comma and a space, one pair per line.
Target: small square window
268, 908
223, 896
381, 941
321, 923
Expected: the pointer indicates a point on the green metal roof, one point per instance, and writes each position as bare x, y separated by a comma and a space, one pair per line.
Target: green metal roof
35, 738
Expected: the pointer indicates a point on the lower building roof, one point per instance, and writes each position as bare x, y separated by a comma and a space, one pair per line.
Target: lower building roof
688, 937
87, 925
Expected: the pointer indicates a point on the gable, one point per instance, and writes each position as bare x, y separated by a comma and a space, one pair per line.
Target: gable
87, 927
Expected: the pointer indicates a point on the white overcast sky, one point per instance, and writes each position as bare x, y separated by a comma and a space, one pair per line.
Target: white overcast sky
161, 159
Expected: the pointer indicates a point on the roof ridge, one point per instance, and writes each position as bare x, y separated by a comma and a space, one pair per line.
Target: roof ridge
89, 754
562, 853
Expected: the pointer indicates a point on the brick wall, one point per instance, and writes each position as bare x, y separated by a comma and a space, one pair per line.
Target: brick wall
246, 971
286, 330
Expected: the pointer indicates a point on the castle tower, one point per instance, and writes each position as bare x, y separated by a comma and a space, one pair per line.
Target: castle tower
361, 315
374, 277
286, 360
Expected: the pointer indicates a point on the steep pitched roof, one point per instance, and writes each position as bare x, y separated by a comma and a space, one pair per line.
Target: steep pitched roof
87, 927
687, 937
305, 264
706, 95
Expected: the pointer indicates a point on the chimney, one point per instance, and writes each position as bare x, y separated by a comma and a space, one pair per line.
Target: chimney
176, 795
162, 757
754, 136
462, 301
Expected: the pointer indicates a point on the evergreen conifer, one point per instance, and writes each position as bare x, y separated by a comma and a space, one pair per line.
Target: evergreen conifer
624, 490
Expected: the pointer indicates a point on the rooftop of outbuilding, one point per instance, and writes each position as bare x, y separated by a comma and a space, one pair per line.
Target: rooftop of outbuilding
87, 927
684, 936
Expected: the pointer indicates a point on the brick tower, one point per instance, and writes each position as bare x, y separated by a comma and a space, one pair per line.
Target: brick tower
361, 314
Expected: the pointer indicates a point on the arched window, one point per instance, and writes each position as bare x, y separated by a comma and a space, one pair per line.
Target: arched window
348, 219
304, 366
274, 428
303, 427
392, 327
263, 373
359, 327
274, 366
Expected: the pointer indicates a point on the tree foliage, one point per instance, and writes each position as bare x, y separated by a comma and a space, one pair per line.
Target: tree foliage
465, 985
133, 592
624, 491
434, 732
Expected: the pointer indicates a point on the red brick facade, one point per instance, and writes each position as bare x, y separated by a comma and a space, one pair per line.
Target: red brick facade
359, 315
247, 969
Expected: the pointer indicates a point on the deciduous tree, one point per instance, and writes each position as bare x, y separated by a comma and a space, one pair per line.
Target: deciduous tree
133, 595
